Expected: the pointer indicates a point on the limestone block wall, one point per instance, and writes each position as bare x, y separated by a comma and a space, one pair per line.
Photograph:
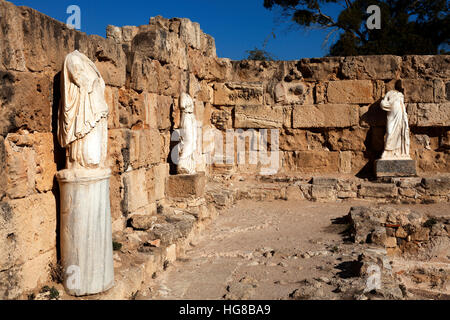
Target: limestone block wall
326, 110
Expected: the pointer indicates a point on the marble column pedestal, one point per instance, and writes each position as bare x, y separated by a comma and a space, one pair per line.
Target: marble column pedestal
86, 238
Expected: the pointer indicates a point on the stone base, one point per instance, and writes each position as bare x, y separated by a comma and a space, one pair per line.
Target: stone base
186, 185
86, 237
395, 168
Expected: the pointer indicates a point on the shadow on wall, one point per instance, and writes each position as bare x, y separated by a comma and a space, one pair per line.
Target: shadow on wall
173, 144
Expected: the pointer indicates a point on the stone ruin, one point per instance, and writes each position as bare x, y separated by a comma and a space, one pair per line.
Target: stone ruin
326, 111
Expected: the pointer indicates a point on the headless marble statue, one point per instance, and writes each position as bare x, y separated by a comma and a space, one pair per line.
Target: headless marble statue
83, 127
187, 161
86, 239
397, 129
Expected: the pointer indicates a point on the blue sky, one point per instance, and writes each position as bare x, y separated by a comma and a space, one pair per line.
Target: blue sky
236, 25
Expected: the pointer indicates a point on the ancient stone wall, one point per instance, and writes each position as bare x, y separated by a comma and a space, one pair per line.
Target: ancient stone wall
327, 112
145, 70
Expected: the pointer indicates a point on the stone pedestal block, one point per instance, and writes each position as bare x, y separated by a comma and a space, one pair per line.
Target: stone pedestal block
186, 185
86, 239
395, 168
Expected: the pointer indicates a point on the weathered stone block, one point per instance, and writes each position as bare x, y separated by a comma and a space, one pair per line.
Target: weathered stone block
301, 140
401, 233
379, 236
27, 101
372, 116
171, 80
440, 91
437, 186
352, 161
119, 144
325, 116
205, 93
115, 193
426, 66
311, 161
222, 118
445, 140
28, 163
110, 60
261, 116
190, 33
145, 74
293, 140
143, 221
345, 161
208, 68
320, 69
350, 91
429, 114
432, 161
131, 108
112, 100
161, 173
150, 184
352, 139
324, 181
395, 168
408, 192
294, 93
255, 71
347, 195
159, 44
320, 93
422, 234
144, 148
372, 67
43, 144
416, 90
29, 229
238, 93
133, 148
3, 177
26, 277
20, 169
184, 186
163, 112
322, 192
377, 190
36, 272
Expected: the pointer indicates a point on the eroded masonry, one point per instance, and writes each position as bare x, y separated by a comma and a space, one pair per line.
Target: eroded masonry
326, 114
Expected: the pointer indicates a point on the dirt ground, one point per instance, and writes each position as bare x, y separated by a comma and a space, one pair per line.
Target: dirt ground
265, 250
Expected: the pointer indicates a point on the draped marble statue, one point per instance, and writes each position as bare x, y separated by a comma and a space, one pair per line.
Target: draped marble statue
397, 129
395, 160
86, 239
188, 143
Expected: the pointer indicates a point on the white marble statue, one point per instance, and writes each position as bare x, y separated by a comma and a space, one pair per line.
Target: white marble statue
86, 239
188, 144
397, 130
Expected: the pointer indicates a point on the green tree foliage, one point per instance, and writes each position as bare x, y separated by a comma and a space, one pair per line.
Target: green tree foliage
407, 26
